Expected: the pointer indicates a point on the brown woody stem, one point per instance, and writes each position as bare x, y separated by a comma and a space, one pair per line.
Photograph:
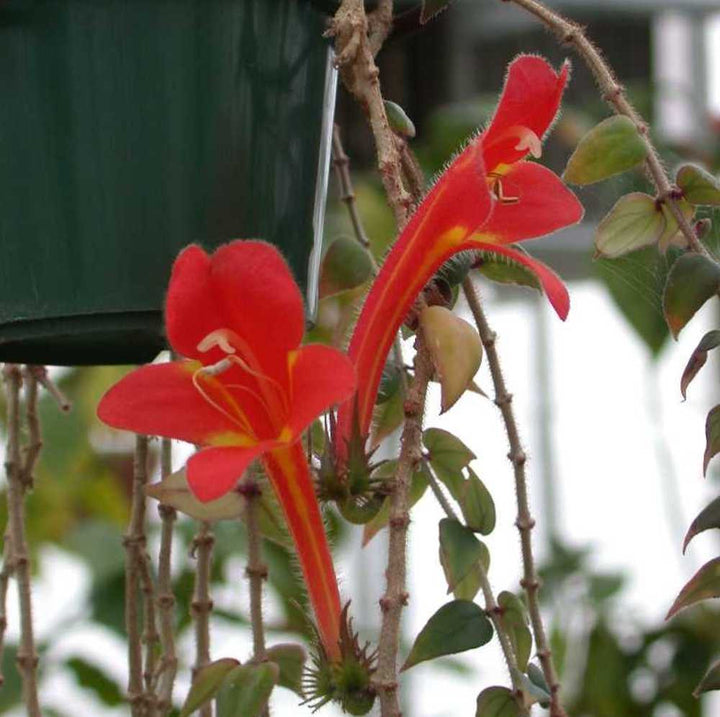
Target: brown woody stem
202, 604
525, 523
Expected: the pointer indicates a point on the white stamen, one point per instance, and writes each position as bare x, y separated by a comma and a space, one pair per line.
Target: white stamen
219, 338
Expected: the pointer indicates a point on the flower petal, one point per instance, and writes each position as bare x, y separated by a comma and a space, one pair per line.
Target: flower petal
551, 283
319, 377
244, 287
529, 101
161, 400
213, 472
287, 469
536, 203
191, 308
261, 301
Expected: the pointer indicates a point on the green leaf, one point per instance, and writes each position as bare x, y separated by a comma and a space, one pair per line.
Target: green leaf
418, 486
389, 381
460, 550
536, 676
698, 358
698, 185
711, 680
207, 683
455, 350
457, 626
477, 505
514, 617
504, 270
712, 436
398, 120
345, 265
610, 148
470, 585
672, 235
448, 455
692, 280
317, 437
497, 702
247, 690
387, 417
92, 678
701, 586
430, 8
633, 223
708, 518
290, 659
634, 281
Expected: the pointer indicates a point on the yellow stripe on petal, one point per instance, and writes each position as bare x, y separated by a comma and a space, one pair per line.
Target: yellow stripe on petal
231, 438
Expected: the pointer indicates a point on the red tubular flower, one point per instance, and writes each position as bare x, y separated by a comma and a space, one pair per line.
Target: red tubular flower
247, 390
488, 198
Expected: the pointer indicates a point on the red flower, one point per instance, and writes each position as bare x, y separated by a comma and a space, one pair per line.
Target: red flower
247, 390
487, 199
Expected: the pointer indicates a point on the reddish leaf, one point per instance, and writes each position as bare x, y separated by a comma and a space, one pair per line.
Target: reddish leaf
703, 585
708, 518
712, 436
698, 358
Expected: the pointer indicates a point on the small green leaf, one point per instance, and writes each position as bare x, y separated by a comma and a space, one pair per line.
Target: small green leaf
457, 626
514, 617
290, 659
430, 8
536, 676
477, 505
398, 120
345, 265
504, 270
698, 185
701, 586
611, 147
246, 690
418, 486
448, 455
497, 702
708, 518
387, 417
460, 550
317, 437
698, 358
207, 683
711, 680
455, 350
634, 222
692, 280
672, 235
92, 678
389, 381
712, 436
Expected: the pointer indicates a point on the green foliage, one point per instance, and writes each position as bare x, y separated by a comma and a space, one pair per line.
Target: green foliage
398, 120
610, 148
477, 505
207, 684
457, 626
497, 702
246, 690
515, 619
636, 221
460, 551
692, 280
708, 518
698, 185
712, 436
345, 265
290, 659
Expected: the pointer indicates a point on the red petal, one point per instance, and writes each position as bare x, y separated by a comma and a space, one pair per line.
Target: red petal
244, 286
261, 301
544, 205
531, 98
160, 400
288, 472
551, 283
319, 377
213, 472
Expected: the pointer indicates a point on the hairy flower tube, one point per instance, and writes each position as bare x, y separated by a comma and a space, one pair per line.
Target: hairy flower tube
487, 199
246, 389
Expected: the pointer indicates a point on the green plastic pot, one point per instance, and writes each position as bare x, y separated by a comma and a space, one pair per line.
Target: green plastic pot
132, 128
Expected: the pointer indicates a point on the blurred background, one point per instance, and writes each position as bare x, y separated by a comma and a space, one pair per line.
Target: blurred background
615, 456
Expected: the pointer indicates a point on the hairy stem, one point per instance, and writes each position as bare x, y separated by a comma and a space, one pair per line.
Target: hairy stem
493, 610
134, 543
202, 604
5, 575
613, 93
165, 598
355, 53
396, 597
256, 570
27, 658
525, 523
